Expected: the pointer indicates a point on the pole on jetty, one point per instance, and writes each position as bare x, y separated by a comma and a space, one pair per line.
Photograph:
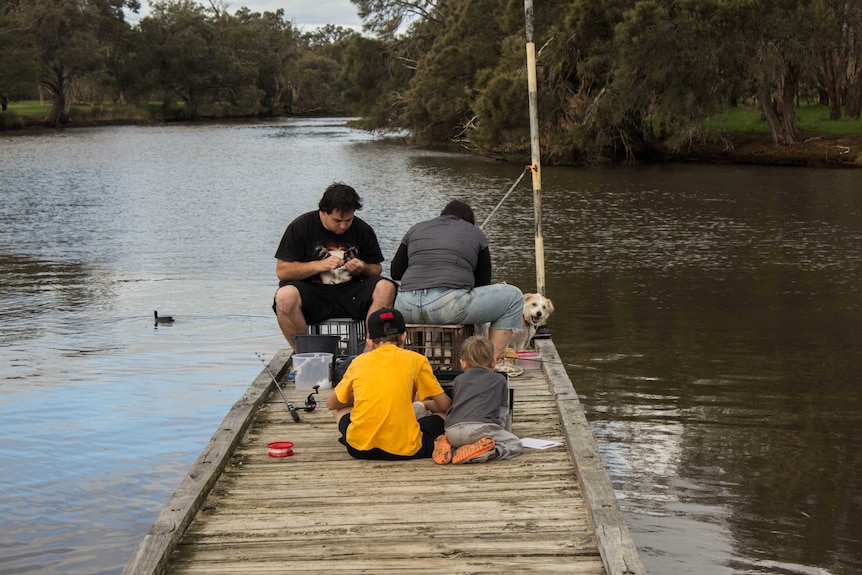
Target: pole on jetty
535, 168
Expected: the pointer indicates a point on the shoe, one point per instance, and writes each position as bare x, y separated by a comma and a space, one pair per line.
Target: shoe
474, 452
509, 369
442, 450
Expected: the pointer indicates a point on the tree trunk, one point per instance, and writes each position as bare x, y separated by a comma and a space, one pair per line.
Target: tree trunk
853, 105
789, 119
57, 118
852, 40
832, 84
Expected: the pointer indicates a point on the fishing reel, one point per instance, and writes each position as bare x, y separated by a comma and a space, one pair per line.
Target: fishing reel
311, 401
310, 405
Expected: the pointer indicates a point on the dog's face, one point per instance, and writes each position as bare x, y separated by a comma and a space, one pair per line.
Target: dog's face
537, 309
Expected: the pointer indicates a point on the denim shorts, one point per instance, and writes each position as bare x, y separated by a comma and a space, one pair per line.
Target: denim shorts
500, 304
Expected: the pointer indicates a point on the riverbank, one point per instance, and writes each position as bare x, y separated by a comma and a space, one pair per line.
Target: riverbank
816, 149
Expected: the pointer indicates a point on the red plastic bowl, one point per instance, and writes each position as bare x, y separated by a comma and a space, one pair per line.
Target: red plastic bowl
281, 449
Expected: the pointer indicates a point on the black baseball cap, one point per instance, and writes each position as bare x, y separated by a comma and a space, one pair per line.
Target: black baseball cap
385, 321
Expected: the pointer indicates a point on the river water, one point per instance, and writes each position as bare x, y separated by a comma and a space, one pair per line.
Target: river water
709, 316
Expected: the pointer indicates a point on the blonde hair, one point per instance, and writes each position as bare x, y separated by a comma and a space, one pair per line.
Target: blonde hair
478, 351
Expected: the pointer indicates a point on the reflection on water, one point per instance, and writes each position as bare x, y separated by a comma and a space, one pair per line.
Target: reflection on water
709, 316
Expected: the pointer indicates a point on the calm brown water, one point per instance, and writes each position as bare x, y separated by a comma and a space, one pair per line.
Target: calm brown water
708, 315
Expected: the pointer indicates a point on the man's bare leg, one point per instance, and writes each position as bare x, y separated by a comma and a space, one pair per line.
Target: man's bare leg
500, 338
288, 306
383, 296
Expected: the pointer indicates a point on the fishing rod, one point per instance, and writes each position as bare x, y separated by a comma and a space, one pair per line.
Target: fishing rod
500, 203
290, 407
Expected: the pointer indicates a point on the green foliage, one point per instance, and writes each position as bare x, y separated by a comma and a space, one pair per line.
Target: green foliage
441, 94
619, 79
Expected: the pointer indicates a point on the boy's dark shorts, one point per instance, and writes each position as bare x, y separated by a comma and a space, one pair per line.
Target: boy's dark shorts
321, 301
431, 426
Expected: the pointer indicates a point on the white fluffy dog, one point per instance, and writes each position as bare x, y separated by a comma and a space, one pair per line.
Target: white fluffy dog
537, 310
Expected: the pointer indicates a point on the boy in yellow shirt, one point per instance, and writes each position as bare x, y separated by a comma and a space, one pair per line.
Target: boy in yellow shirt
373, 403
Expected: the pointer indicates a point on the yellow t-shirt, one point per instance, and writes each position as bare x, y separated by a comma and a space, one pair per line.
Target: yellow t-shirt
383, 383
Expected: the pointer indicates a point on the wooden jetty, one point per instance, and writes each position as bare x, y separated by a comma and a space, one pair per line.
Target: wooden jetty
240, 511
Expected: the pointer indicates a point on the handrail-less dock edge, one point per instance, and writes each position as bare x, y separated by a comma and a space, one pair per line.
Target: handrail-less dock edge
616, 547
155, 548
617, 551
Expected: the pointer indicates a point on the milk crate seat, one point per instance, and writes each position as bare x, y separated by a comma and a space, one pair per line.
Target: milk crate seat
352, 334
441, 344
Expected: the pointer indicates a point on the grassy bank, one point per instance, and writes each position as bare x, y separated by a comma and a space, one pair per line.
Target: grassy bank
812, 119
32, 113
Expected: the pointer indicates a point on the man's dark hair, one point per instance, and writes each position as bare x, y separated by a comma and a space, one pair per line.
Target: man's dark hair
459, 209
340, 197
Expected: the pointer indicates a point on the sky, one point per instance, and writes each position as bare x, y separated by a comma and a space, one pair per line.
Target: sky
304, 14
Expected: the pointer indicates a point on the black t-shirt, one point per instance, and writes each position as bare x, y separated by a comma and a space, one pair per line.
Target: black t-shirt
305, 235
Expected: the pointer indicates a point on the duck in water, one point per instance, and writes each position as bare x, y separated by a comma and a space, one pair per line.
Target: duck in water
166, 319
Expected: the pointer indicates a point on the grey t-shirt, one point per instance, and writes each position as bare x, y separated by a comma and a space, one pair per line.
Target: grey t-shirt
443, 253
478, 395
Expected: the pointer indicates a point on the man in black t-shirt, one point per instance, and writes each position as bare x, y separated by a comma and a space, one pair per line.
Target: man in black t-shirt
318, 243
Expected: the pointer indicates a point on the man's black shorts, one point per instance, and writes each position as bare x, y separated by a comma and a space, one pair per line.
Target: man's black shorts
321, 301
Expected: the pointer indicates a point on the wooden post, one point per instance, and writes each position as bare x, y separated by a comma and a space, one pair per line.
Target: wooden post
535, 167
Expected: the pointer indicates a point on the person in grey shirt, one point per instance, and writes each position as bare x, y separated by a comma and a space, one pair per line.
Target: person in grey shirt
476, 421
444, 265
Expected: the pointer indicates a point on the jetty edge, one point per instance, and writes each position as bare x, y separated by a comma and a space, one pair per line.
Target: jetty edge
153, 551
322, 511
616, 546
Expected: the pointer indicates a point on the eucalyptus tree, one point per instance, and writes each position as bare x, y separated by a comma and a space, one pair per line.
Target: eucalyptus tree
783, 50
199, 56
842, 58
387, 17
272, 43
315, 75
19, 64
173, 54
367, 74
442, 93
64, 41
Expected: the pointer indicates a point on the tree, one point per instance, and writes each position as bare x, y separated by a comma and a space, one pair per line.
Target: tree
387, 17
68, 40
442, 93
19, 65
364, 73
272, 44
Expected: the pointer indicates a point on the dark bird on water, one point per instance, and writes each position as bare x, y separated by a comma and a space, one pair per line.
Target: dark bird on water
164, 319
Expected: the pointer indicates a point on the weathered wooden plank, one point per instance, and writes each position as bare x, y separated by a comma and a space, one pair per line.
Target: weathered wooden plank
321, 511
456, 565
154, 549
619, 554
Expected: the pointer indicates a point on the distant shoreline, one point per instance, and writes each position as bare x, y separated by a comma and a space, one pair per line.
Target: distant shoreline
815, 150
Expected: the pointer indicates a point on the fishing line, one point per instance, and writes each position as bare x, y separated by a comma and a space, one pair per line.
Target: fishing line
596, 369
518, 181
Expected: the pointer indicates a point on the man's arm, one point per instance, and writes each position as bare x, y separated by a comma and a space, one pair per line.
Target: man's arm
438, 403
290, 271
332, 402
399, 263
482, 273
